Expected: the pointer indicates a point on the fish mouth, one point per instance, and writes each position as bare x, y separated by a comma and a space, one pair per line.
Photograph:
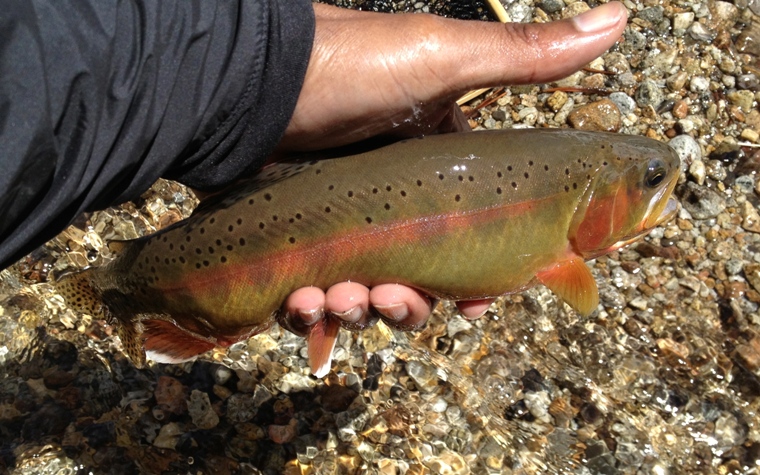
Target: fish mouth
668, 212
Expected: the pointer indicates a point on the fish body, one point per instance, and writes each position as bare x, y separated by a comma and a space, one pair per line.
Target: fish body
457, 216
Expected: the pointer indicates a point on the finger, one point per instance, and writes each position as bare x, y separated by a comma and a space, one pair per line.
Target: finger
400, 307
302, 309
349, 301
473, 309
526, 53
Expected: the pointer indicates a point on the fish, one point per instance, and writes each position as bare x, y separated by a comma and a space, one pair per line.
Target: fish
458, 216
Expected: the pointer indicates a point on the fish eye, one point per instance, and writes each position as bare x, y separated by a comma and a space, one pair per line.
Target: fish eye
655, 174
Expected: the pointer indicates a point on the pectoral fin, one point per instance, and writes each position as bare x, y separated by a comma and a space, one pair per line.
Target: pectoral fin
320, 343
572, 280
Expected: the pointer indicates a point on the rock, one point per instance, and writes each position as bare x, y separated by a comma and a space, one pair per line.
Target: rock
552, 6
651, 14
168, 436
750, 354
282, 434
575, 9
682, 21
750, 218
680, 109
241, 408
750, 135
601, 115
747, 81
699, 84
702, 203
743, 99
687, 149
171, 395
752, 273
698, 171
724, 15
649, 94
200, 410
624, 102
699, 32
748, 40
677, 81
557, 100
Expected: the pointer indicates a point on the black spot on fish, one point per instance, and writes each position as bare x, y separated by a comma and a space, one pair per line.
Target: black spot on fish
350, 194
388, 188
526, 175
198, 250
268, 197
419, 182
241, 241
181, 247
403, 193
604, 163
499, 174
457, 198
546, 168
250, 201
461, 178
291, 220
498, 190
171, 247
368, 219
567, 188
206, 263
152, 269
318, 171
197, 265
375, 190
166, 261
210, 250
298, 216
262, 225
292, 240
223, 259
230, 228
240, 221
514, 184
440, 176
188, 239
331, 187
575, 186
218, 242
327, 209
158, 259
229, 247
274, 217
509, 168
387, 206
212, 221
567, 171
530, 163
471, 178
203, 230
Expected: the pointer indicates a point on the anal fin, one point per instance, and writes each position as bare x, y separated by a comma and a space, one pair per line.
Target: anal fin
165, 342
573, 282
320, 344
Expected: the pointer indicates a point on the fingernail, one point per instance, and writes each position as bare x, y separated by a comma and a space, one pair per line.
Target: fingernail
310, 317
395, 312
351, 315
600, 18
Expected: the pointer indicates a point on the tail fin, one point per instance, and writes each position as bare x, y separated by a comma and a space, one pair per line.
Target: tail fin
76, 289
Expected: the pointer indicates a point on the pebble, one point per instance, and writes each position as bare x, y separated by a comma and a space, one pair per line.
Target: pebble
699, 84
651, 14
682, 21
724, 14
602, 115
575, 9
282, 434
744, 99
241, 407
699, 32
750, 218
168, 436
750, 135
702, 203
171, 395
624, 102
200, 410
677, 81
687, 149
649, 94
552, 6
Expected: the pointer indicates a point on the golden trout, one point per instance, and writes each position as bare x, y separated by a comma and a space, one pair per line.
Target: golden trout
458, 216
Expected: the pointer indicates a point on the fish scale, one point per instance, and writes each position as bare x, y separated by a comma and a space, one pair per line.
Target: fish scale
458, 216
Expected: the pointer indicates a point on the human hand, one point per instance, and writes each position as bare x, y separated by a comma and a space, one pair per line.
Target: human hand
376, 74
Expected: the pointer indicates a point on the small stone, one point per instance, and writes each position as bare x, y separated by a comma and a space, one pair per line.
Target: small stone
743, 99
724, 14
752, 273
682, 21
575, 9
748, 40
170, 394
425, 376
241, 408
750, 218
699, 84
680, 109
624, 102
747, 81
677, 81
282, 434
651, 14
699, 32
750, 135
649, 94
687, 149
552, 6
750, 354
200, 410
601, 115
557, 100
697, 171
702, 203
168, 436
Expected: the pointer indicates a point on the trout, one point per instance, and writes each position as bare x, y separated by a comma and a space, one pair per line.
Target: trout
457, 216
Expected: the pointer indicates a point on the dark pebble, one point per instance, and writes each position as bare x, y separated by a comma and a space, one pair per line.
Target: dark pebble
50, 419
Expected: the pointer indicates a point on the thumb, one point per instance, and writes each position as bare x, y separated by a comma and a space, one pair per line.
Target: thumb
525, 53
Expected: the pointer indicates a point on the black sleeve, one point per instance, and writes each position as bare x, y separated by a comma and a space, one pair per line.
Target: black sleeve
99, 98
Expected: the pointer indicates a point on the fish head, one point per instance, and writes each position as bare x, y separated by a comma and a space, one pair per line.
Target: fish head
629, 194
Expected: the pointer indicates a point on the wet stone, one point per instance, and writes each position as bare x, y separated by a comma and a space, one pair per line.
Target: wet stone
624, 102
200, 410
702, 203
601, 115
171, 395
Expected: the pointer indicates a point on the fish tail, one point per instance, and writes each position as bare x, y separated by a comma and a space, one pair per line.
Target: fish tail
77, 291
